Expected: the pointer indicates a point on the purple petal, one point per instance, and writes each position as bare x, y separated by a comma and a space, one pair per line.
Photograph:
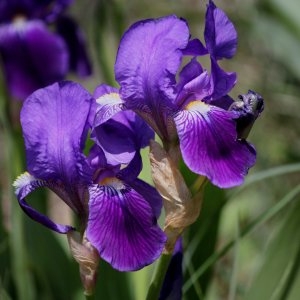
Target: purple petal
190, 71
197, 89
75, 40
122, 227
55, 123
148, 58
222, 82
24, 185
121, 136
195, 48
108, 104
33, 57
150, 194
220, 34
209, 145
172, 285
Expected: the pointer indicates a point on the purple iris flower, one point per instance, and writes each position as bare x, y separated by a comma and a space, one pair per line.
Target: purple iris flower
33, 55
172, 285
117, 211
193, 110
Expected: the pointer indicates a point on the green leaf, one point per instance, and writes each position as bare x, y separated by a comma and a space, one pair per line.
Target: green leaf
278, 273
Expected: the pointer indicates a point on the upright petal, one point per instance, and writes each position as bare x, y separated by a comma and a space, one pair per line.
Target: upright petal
129, 238
55, 123
209, 144
121, 136
148, 58
221, 82
75, 40
33, 57
220, 34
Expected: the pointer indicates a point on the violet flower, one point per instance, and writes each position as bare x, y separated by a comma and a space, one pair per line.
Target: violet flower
117, 210
195, 112
33, 55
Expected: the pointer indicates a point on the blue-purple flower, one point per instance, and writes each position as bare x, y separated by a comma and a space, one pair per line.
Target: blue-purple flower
32, 54
117, 211
194, 110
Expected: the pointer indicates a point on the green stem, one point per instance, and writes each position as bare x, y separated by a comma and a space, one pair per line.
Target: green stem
89, 297
158, 276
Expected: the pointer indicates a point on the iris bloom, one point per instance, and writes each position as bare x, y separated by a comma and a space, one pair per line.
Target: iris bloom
195, 111
117, 210
34, 56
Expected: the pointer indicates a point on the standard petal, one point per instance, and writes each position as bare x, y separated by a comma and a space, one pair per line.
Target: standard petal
121, 136
209, 144
220, 34
148, 58
221, 82
122, 227
75, 40
33, 57
24, 185
195, 48
55, 123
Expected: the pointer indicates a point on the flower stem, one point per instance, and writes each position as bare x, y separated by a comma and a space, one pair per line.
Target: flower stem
89, 297
158, 276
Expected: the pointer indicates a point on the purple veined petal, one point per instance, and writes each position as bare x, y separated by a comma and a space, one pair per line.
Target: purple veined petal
24, 185
150, 194
173, 282
129, 238
33, 57
148, 58
221, 82
103, 89
107, 105
195, 48
220, 34
55, 124
75, 40
209, 144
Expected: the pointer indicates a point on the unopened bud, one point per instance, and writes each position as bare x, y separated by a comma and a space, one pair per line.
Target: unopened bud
248, 107
181, 209
88, 259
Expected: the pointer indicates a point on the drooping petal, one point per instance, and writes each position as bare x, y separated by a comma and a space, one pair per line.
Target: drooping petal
55, 123
148, 58
220, 34
209, 144
24, 185
75, 40
33, 57
149, 193
108, 104
122, 227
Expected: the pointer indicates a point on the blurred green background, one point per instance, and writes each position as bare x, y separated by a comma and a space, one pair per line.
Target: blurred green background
259, 220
